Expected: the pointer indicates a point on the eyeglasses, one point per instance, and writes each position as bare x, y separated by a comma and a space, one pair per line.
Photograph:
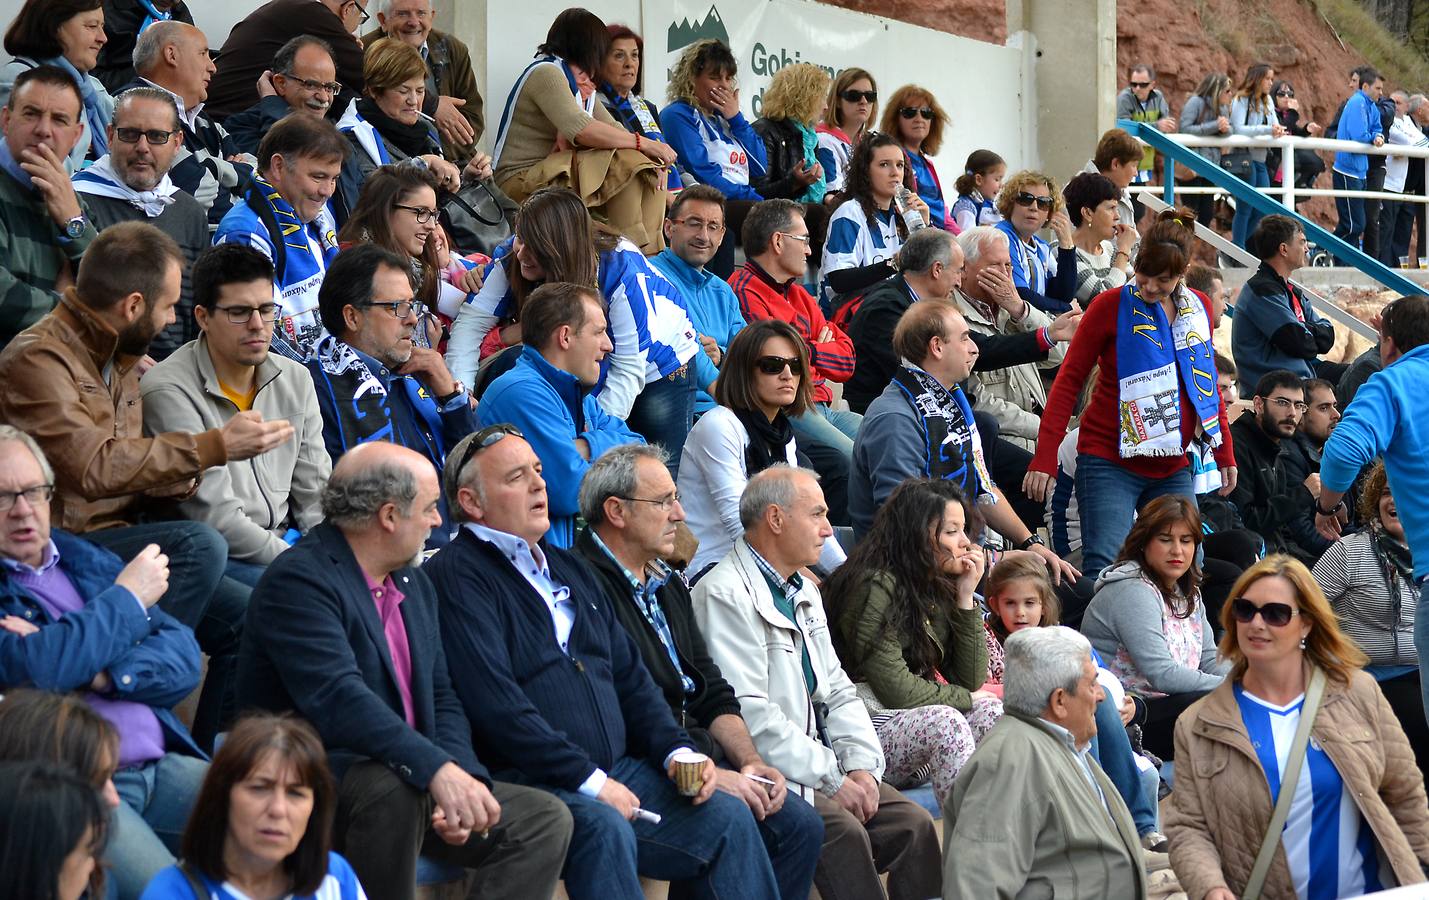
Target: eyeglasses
1283, 404
485, 438
154, 136
797, 237
1025, 199
424, 214
1141, 85
399, 308
40, 493
332, 87
240, 315
695, 224
774, 365
1276, 615
665, 503
364, 13
852, 96
909, 112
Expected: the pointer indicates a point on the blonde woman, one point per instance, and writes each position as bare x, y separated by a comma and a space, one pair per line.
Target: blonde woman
793, 103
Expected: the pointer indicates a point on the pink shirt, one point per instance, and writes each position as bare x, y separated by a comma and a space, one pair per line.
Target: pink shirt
389, 602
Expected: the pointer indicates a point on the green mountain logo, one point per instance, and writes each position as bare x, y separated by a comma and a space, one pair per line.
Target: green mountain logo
686, 32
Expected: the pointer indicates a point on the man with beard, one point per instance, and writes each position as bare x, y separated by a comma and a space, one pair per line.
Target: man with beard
72, 383
1300, 458
43, 228
131, 183
372, 383
1264, 493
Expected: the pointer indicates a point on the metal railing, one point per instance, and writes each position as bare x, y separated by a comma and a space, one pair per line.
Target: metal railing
1176, 149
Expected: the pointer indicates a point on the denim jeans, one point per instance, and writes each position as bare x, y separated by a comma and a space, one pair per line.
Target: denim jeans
834, 428
1421, 643
244, 572
663, 414
714, 845
1246, 216
1112, 749
154, 804
1350, 209
1108, 497
202, 598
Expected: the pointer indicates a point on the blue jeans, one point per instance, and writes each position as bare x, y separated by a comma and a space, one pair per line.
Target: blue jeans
1108, 497
202, 598
1350, 209
664, 413
715, 845
244, 572
1421, 643
154, 804
1246, 216
1112, 748
835, 428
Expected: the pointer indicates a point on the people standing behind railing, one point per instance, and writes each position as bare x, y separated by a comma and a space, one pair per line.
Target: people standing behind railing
1140, 101
1360, 121
852, 107
1396, 218
915, 118
1308, 164
1207, 113
1252, 115
1414, 183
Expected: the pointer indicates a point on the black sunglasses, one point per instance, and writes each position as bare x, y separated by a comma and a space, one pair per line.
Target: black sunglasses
774, 365
483, 439
1276, 615
155, 136
1139, 85
853, 96
909, 112
1285, 93
1025, 199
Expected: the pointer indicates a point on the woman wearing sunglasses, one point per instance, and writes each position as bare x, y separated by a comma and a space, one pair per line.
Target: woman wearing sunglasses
1148, 621
763, 381
1046, 278
1357, 819
915, 118
1150, 343
852, 105
1368, 578
1308, 164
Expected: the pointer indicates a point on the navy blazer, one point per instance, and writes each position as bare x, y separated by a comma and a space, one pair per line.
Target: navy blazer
539, 715
313, 643
151, 659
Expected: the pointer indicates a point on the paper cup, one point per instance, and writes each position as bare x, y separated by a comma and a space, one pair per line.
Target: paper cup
689, 772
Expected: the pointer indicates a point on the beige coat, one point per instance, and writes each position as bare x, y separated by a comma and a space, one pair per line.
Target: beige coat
1013, 395
1221, 806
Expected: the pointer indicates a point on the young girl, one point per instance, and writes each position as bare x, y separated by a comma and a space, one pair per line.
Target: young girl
977, 187
1020, 596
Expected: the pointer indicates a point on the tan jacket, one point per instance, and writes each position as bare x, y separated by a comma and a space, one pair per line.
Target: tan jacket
92, 430
1221, 805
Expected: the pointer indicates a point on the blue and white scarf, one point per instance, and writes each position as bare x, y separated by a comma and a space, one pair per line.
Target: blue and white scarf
152, 15
1155, 359
299, 270
546, 59
366, 135
101, 180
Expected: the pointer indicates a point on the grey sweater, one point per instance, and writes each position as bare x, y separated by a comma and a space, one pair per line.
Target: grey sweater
1128, 611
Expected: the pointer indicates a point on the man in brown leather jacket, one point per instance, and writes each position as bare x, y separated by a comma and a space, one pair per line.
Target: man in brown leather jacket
72, 383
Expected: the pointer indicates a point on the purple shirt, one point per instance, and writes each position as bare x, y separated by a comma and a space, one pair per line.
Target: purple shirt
389, 602
141, 737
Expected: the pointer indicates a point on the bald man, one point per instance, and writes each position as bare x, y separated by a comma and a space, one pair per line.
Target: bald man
345, 635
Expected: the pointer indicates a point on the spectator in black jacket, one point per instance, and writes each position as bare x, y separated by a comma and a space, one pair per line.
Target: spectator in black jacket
558, 697
124, 21
1300, 458
345, 635
1263, 493
630, 503
1308, 164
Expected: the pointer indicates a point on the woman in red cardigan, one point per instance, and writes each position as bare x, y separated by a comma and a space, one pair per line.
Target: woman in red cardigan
1154, 400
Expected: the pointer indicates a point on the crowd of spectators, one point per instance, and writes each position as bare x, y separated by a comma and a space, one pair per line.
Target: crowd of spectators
732, 502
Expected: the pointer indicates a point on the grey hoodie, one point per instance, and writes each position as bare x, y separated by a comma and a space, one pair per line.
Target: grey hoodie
1127, 611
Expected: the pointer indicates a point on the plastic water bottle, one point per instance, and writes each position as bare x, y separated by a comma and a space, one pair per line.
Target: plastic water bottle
911, 217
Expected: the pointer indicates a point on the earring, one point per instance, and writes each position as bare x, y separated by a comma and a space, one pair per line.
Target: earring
1302, 643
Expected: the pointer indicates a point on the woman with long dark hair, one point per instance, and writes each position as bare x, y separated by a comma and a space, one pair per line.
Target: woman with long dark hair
53, 829
1147, 619
1253, 115
908, 627
866, 232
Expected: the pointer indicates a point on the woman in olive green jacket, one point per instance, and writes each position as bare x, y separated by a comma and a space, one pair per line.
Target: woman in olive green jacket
909, 631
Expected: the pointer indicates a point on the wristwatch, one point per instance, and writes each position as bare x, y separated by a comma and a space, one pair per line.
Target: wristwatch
1033, 538
460, 389
75, 227
1332, 510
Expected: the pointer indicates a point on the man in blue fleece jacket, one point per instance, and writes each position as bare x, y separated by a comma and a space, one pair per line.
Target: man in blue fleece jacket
546, 395
1360, 121
1389, 417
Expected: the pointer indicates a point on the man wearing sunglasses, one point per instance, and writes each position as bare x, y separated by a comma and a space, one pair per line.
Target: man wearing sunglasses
1264, 492
1140, 101
131, 183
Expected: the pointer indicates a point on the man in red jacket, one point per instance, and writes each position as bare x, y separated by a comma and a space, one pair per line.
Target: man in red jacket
776, 242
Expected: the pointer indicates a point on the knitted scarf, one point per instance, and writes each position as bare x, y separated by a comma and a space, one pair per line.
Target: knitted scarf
412, 140
768, 441
954, 449
1155, 360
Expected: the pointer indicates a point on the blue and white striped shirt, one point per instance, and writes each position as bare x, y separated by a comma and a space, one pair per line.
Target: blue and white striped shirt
852, 243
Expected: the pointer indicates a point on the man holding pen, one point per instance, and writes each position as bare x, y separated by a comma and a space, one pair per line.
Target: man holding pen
1389, 417
630, 502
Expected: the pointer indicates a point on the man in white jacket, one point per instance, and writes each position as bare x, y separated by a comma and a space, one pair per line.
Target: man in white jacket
801, 709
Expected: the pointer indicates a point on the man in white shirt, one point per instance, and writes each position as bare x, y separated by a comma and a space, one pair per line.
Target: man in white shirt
1396, 217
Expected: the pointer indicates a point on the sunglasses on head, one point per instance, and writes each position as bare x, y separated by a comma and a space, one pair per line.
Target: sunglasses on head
775, 365
853, 96
485, 438
1025, 199
909, 112
1276, 615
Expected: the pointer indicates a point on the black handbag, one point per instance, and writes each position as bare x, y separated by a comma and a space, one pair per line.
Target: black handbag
1237, 163
478, 216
